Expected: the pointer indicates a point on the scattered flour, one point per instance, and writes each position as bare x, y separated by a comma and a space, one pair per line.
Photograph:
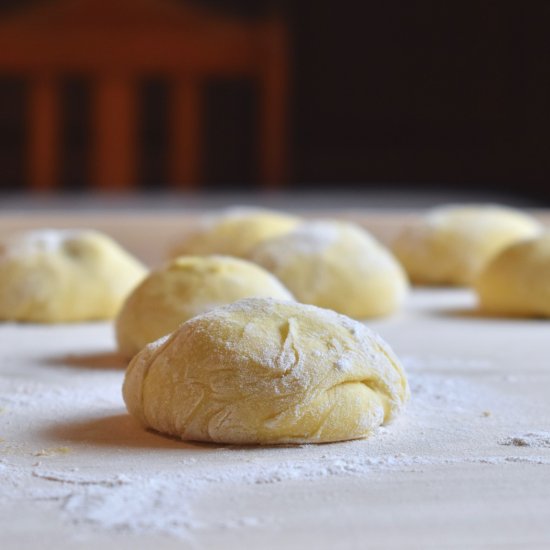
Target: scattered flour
444, 363
65, 477
39, 240
306, 240
529, 439
163, 502
110, 492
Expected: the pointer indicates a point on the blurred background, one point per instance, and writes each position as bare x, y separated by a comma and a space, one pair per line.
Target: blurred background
252, 95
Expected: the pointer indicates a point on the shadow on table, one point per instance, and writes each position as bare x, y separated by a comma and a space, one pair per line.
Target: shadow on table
102, 361
477, 313
123, 431
119, 430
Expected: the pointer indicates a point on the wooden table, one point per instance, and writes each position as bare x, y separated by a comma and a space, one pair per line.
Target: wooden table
466, 466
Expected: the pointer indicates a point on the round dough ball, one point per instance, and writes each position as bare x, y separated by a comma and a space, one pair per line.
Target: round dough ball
452, 244
263, 371
186, 287
336, 265
517, 281
56, 276
235, 232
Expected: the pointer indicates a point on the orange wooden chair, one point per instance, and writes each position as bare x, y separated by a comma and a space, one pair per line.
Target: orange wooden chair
116, 43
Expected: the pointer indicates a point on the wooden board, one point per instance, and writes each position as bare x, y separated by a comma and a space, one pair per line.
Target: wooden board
466, 466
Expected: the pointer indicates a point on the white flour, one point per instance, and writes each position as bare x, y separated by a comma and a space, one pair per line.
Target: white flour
530, 439
140, 501
67, 445
162, 503
307, 239
43, 240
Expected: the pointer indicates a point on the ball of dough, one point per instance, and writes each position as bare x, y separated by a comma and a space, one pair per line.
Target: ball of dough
452, 244
517, 281
336, 265
55, 276
186, 287
235, 232
264, 371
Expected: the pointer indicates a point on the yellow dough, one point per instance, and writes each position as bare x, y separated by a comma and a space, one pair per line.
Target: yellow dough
185, 287
452, 244
336, 265
517, 281
263, 371
235, 232
54, 276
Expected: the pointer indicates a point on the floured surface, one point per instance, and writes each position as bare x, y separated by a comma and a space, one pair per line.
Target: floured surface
466, 465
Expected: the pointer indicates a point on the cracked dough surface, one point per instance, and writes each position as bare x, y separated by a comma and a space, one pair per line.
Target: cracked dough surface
452, 244
55, 276
517, 281
235, 232
336, 265
185, 287
269, 372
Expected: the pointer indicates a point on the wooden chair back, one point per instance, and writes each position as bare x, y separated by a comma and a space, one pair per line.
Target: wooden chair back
115, 44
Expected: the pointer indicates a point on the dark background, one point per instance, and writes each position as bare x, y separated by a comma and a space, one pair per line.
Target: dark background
408, 94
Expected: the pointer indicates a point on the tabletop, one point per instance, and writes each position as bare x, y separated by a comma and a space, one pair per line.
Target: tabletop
467, 465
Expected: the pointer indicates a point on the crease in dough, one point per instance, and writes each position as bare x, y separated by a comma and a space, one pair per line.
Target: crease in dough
279, 381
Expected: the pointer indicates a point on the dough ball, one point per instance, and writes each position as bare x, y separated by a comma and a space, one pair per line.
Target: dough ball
56, 276
185, 287
452, 244
235, 232
517, 281
336, 265
264, 371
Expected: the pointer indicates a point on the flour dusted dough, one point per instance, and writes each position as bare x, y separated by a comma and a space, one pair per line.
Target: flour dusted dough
336, 265
263, 371
235, 232
52, 276
517, 281
185, 287
452, 244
